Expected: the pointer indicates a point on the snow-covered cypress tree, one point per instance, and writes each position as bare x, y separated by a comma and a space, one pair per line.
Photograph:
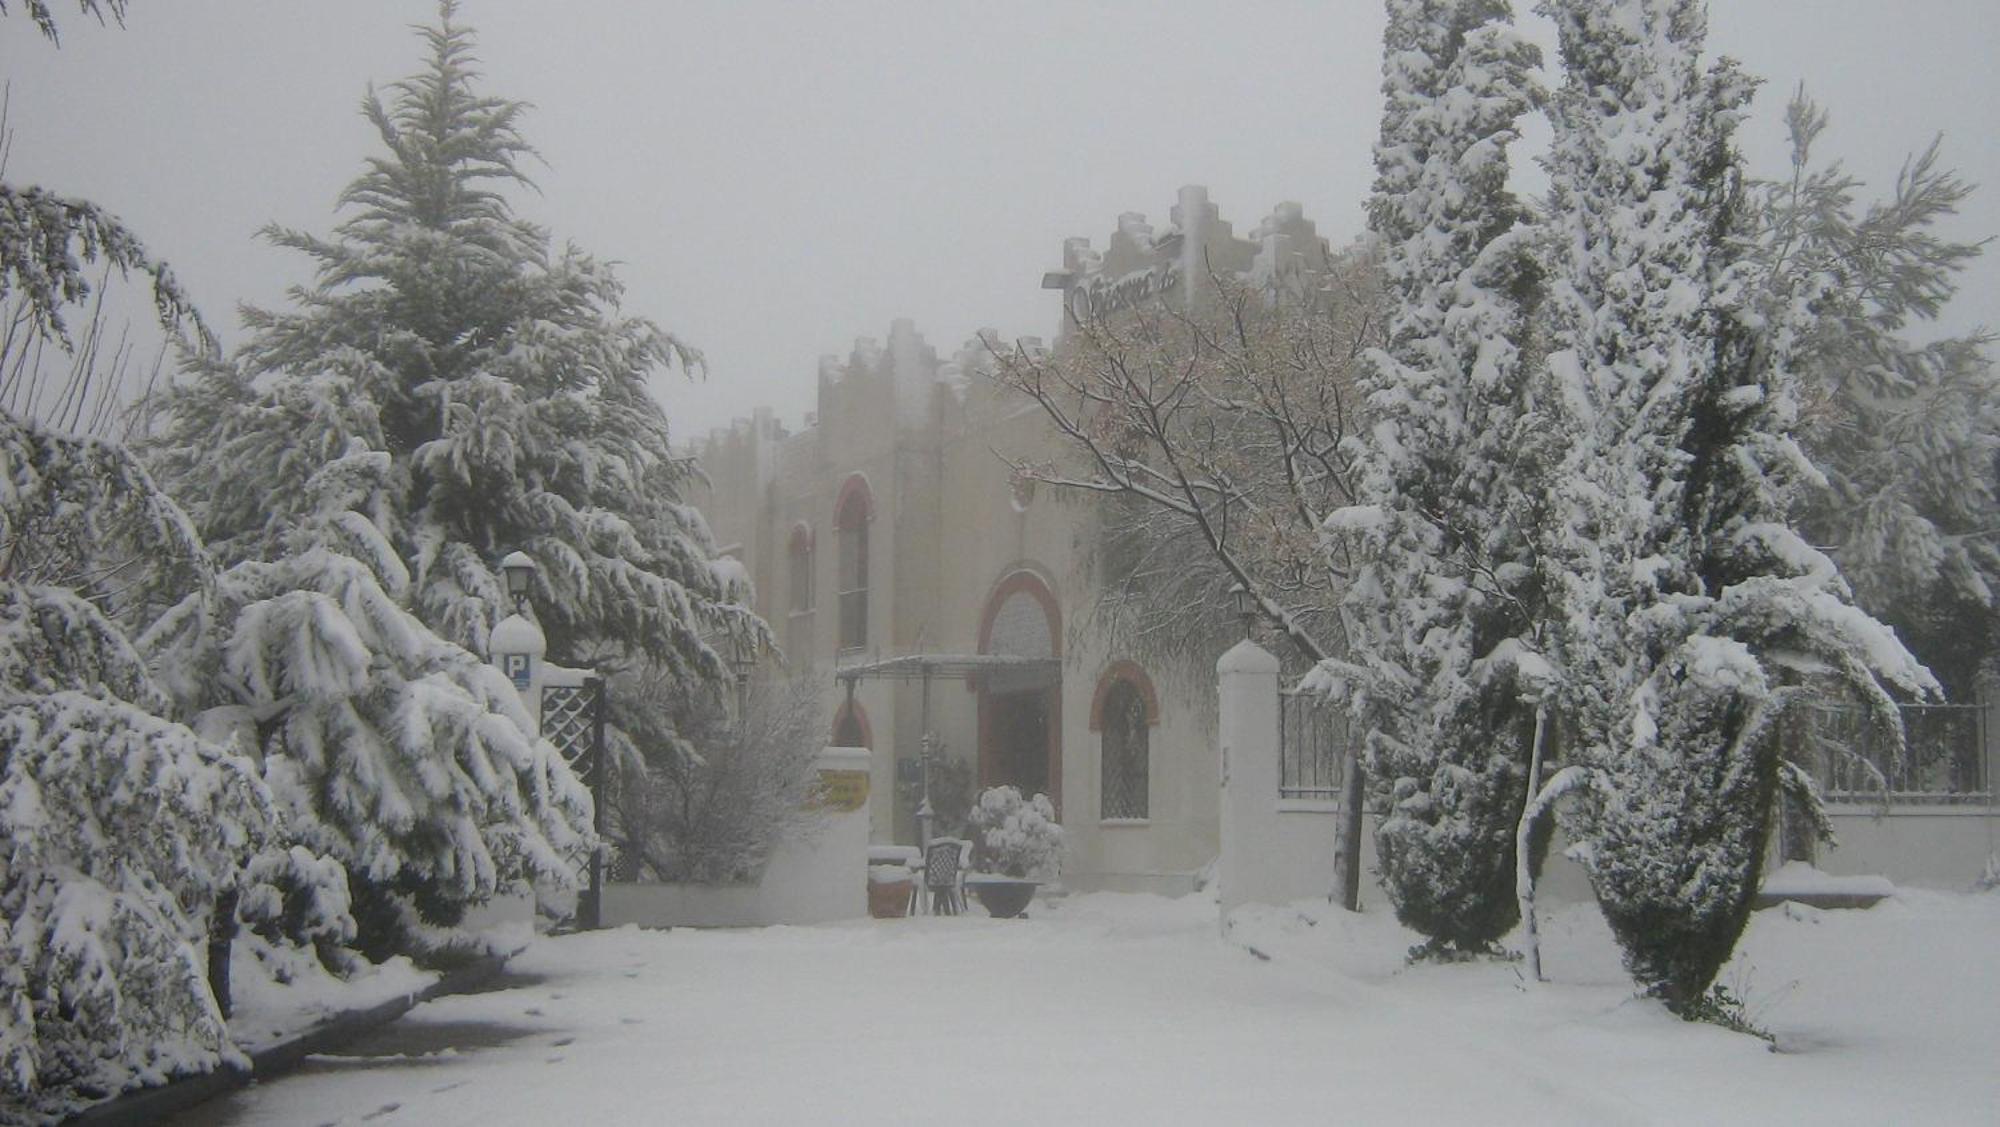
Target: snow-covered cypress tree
1685, 599
1442, 611
499, 376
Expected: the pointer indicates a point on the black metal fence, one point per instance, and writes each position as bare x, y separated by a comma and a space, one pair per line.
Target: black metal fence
1313, 742
1944, 759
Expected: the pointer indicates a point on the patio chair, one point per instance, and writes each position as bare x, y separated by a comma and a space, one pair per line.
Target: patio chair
944, 875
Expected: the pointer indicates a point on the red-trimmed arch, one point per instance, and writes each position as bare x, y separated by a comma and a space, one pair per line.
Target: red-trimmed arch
1022, 578
854, 491
851, 712
1127, 671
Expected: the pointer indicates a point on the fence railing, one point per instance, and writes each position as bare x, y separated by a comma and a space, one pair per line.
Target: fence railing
1944, 759
1312, 748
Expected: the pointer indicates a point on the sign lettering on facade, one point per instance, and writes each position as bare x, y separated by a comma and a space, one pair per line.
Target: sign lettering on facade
841, 792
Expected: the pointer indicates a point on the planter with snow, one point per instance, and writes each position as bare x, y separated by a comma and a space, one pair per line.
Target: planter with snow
889, 890
1004, 898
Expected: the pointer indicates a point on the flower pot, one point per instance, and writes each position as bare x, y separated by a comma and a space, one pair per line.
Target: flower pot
1003, 897
888, 900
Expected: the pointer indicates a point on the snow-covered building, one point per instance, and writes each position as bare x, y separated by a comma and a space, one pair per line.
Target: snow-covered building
903, 567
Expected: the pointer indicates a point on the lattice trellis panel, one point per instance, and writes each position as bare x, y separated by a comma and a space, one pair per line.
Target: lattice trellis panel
572, 720
569, 721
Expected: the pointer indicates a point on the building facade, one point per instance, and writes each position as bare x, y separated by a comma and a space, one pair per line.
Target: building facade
904, 566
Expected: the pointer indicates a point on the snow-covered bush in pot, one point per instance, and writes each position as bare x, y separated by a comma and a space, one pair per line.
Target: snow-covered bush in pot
1015, 836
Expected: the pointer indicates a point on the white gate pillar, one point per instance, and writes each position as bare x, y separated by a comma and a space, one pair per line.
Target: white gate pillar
1247, 693
823, 875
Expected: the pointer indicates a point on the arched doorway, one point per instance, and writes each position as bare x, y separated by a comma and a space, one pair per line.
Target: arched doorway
1020, 711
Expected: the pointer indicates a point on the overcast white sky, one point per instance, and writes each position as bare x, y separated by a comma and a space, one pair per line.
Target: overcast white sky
777, 179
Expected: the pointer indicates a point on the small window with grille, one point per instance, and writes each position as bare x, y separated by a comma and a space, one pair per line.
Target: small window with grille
851, 533
1126, 753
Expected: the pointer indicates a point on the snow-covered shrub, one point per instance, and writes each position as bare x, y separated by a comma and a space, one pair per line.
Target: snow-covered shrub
712, 813
1015, 836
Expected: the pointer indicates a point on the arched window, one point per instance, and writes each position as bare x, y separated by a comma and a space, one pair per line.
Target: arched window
799, 567
1123, 714
850, 530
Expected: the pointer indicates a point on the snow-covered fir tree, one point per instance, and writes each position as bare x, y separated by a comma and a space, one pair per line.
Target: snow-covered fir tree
498, 397
1686, 604
500, 377
122, 833
1442, 609
1907, 431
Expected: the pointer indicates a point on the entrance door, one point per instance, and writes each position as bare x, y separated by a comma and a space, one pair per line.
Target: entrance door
1020, 708
1021, 741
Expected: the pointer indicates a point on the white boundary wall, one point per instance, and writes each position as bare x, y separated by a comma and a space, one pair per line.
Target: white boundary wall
1276, 850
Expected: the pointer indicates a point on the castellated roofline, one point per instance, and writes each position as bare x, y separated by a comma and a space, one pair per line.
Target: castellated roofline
904, 375
1135, 245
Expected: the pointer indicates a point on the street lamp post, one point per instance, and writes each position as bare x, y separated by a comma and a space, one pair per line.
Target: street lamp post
1246, 606
926, 748
518, 571
517, 645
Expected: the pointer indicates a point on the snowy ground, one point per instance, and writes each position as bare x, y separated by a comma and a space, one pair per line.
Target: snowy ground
1130, 1009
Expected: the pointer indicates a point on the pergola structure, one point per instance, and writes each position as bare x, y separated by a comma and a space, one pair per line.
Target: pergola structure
923, 668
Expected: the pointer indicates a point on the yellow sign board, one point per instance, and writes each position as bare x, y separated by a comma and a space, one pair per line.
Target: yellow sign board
842, 792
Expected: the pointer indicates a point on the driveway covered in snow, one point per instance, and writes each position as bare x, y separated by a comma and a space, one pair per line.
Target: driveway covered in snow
1127, 1009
